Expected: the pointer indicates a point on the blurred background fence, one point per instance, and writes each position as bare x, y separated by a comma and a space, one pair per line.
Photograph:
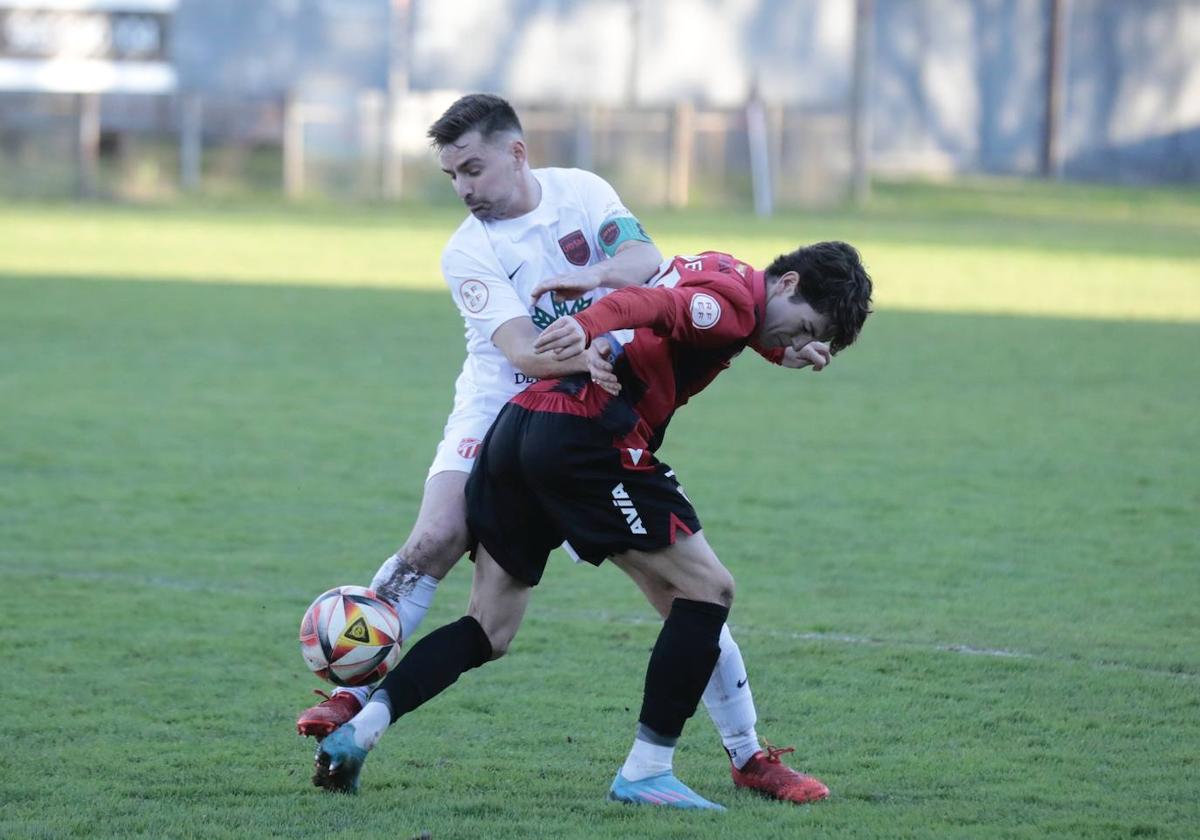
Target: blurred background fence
678, 102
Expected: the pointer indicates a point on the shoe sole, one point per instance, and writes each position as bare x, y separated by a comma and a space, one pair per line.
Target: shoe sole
323, 777
766, 794
612, 797
315, 729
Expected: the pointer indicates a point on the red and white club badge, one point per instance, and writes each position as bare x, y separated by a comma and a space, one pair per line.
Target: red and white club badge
705, 310
469, 447
474, 295
575, 248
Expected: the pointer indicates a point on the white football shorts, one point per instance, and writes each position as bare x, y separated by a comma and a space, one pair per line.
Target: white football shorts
461, 439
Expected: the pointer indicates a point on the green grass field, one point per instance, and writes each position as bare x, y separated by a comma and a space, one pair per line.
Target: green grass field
968, 555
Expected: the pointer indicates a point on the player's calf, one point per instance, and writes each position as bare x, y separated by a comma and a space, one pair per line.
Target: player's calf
498, 602
680, 665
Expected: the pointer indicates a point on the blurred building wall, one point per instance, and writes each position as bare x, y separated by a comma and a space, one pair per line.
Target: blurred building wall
263, 48
960, 86
637, 51
1133, 90
956, 85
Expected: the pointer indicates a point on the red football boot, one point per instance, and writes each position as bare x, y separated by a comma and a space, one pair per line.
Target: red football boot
327, 715
766, 774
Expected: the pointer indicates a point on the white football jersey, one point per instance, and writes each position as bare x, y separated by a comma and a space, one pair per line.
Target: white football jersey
491, 268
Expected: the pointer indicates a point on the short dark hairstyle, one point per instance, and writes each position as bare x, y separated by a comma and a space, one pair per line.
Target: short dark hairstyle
834, 283
480, 112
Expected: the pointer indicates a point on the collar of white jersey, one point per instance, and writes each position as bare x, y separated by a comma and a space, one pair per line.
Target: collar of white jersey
546, 213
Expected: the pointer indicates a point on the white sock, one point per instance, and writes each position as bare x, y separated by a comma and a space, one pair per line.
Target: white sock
646, 760
371, 723
730, 704
411, 597
411, 608
415, 604
360, 692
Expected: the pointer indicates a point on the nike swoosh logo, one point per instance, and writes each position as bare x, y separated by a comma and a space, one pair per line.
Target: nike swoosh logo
742, 682
515, 270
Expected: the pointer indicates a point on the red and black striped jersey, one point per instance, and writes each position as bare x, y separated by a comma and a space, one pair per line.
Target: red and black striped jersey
677, 333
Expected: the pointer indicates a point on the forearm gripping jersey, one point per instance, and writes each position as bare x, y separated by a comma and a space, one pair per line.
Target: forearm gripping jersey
687, 325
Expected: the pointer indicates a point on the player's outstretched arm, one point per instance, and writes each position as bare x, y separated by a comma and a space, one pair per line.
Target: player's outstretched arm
516, 340
632, 265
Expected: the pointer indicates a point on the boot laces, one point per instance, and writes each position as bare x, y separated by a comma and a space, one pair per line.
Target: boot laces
774, 752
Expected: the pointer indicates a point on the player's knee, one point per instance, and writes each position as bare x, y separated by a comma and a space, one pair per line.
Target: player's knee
500, 633
725, 595
715, 587
720, 585
499, 646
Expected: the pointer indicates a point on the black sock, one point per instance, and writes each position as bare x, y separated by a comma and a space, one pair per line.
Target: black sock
681, 664
433, 664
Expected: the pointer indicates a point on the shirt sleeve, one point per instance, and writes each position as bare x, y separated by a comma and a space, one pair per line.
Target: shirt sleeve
703, 312
774, 355
481, 291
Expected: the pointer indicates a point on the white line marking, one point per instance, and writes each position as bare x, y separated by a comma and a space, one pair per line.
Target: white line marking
847, 639
540, 613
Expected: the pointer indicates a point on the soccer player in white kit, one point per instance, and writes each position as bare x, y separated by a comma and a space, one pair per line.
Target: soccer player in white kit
533, 238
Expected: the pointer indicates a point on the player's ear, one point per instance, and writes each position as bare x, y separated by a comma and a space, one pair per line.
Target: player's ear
518, 152
789, 282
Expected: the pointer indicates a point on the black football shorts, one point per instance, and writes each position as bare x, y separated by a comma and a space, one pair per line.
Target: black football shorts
541, 478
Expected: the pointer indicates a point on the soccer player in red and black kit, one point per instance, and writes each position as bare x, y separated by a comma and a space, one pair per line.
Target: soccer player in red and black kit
572, 459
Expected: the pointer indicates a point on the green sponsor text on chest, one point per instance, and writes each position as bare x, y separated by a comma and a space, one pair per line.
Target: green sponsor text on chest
543, 319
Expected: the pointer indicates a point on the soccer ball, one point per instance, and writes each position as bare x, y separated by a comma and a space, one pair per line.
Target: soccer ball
350, 636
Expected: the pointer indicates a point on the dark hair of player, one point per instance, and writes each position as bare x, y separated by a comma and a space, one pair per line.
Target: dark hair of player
834, 283
480, 112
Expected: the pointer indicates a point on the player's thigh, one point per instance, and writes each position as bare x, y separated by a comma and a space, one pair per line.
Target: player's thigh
688, 568
439, 537
505, 514
657, 592
498, 601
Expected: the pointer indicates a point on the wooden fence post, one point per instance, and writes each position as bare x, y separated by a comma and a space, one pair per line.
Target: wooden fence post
683, 138
191, 146
293, 147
